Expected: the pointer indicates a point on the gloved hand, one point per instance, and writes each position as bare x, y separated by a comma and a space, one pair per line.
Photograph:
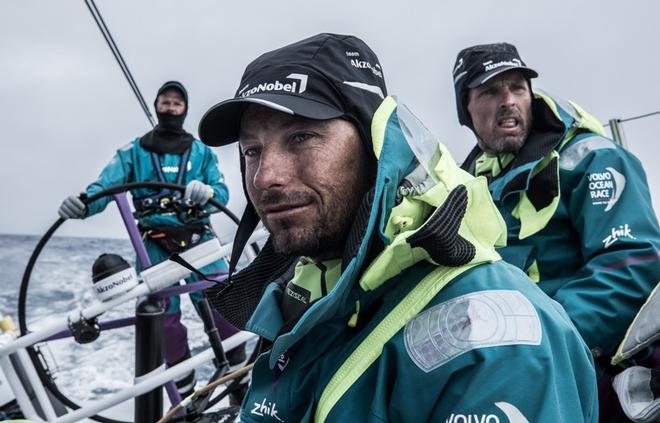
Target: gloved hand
198, 192
72, 208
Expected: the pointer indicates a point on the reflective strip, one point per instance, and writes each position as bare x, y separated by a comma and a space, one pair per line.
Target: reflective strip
472, 321
270, 105
362, 86
459, 76
572, 156
372, 346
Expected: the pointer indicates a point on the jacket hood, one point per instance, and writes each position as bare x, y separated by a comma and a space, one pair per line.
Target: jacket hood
570, 114
422, 207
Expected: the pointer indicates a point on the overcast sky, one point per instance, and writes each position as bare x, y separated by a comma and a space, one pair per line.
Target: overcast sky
65, 106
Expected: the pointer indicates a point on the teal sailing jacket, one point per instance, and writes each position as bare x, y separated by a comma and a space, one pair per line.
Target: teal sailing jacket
132, 163
580, 221
432, 327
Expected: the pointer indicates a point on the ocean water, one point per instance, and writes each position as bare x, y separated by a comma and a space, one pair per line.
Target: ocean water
61, 281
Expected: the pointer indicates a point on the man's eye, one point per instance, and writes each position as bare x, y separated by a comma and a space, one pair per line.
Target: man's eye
303, 136
519, 87
490, 91
250, 151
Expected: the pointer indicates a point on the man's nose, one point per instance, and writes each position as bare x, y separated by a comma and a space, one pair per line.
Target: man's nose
506, 98
274, 169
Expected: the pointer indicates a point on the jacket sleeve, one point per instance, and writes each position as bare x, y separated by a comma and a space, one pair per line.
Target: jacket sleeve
118, 171
611, 211
214, 178
515, 384
504, 352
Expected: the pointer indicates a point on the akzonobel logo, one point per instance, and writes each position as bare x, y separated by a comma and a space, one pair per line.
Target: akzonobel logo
298, 84
489, 65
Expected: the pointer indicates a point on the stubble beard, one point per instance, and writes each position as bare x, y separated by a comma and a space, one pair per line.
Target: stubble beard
498, 144
503, 144
325, 234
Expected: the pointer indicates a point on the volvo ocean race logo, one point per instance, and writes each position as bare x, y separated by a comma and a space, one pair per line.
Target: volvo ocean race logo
605, 188
511, 414
298, 84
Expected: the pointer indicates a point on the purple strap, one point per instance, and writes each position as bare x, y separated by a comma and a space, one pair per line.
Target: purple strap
133, 231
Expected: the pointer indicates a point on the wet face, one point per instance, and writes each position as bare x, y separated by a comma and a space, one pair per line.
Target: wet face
171, 102
501, 111
305, 178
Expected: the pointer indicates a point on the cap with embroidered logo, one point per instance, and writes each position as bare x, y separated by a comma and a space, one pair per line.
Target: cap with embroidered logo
322, 77
477, 64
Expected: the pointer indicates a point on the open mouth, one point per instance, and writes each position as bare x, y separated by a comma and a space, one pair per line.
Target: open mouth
508, 123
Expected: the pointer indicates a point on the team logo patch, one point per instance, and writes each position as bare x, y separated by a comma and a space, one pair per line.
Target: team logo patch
605, 188
477, 320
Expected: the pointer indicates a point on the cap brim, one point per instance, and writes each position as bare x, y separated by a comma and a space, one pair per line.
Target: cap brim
528, 72
220, 125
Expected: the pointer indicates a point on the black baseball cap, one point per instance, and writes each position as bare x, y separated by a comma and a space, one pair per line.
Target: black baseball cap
477, 64
322, 77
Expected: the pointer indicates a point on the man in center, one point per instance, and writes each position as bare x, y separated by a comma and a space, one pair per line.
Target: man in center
379, 289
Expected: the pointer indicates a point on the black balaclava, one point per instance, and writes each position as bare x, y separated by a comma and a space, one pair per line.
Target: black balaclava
168, 136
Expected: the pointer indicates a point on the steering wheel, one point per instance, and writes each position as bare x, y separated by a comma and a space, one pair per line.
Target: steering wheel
178, 206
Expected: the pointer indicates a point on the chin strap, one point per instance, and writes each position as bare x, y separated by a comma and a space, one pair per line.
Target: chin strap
249, 222
237, 301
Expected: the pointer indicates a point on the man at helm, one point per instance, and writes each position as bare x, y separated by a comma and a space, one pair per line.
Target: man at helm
166, 154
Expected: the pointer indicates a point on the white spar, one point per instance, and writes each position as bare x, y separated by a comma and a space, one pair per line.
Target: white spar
154, 279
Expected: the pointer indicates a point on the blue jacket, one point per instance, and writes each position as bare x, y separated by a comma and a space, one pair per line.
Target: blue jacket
132, 163
593, 244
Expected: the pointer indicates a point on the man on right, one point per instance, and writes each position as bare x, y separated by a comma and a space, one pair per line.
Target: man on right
577, 206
